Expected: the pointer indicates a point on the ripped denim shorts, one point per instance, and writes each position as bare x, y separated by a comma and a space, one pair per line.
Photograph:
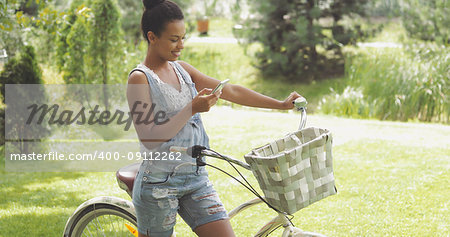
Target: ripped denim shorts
158, 198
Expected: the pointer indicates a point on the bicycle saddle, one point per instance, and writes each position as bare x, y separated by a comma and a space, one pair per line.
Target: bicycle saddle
126, 175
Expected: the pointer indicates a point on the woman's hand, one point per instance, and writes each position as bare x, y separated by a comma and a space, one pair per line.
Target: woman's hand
204, 100
288, 102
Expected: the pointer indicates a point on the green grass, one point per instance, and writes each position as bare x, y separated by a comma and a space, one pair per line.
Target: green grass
393, 32
220, 27
392, 180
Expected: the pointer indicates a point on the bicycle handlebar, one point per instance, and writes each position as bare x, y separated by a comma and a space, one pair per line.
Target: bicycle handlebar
300, 104
198, 152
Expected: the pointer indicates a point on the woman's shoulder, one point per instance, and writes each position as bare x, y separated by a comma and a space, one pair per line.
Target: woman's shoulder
137, 77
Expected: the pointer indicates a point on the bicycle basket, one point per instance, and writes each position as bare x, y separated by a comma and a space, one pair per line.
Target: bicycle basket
296, 170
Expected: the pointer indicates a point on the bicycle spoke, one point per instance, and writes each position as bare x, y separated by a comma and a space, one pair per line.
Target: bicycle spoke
89, 230
113, 226
94, 223
105, 222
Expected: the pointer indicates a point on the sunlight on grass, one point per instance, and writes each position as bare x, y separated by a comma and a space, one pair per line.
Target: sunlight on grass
390, 176
220, 27
393, 32
50, 76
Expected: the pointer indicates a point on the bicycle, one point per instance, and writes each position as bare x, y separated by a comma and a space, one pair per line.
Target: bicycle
105, 216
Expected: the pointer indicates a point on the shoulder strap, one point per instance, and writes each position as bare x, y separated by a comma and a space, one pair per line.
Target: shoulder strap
155, 92
186, 77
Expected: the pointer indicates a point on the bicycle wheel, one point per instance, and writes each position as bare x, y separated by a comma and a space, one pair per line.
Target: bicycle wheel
103, 220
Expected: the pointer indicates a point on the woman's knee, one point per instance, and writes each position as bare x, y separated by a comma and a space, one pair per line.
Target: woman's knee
220, 228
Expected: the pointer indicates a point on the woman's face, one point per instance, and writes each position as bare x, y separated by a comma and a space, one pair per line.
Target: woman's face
170, 43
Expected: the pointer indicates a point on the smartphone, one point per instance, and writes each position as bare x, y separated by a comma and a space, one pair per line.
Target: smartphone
220, 86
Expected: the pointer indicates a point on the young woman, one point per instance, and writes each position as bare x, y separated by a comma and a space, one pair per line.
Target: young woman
175, 93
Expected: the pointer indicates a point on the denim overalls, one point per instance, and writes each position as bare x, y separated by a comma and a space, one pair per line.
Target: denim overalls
157, 195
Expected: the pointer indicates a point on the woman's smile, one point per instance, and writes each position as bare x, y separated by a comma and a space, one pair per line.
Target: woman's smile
176, 53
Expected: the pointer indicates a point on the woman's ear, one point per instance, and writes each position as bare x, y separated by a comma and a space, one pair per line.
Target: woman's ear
151, 37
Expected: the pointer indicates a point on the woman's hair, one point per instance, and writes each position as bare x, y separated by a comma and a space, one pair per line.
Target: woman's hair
157, 14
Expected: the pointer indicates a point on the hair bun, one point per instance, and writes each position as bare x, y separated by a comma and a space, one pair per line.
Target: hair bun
149, 4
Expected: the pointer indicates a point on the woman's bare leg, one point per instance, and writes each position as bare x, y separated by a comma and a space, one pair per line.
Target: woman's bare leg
220, 228
142, 235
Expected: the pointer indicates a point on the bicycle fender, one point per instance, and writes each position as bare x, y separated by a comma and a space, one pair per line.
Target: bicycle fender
114, 201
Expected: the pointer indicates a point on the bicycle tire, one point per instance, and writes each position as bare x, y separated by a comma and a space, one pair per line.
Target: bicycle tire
103, 220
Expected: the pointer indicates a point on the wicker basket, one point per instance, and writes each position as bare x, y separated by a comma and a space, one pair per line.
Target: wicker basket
295, 171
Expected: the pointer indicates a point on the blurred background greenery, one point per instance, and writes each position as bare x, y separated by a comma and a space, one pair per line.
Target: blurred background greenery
384, 59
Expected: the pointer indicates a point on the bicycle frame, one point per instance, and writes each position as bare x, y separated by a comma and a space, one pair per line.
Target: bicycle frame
280, 220
107, 200
277, 221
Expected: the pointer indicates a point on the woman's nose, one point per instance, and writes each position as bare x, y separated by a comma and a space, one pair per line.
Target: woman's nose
181, 44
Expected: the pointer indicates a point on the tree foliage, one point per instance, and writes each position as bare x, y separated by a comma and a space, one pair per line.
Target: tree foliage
22, 69
301, 39
105, 35
77, 8
29, 22
90, 44
76, 53
131, 12
427, 19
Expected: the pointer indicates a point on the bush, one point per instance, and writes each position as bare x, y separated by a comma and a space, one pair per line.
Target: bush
396, 84
301, 39
22, 70
427, 20
350, 102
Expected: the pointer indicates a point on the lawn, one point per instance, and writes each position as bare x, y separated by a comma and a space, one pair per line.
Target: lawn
392, 179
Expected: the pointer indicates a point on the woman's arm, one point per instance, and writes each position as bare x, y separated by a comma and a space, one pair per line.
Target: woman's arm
150, 134
239, 94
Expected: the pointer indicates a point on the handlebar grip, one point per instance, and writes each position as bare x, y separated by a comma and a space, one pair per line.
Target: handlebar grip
300, 102
181, 149
194, 151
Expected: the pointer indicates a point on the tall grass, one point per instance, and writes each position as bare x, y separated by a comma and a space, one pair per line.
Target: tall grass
395, 84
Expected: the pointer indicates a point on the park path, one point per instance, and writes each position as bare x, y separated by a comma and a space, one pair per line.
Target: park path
216, 40
426, 135
231, 40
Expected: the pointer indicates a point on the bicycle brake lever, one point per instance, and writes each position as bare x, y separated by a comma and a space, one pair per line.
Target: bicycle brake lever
195, 151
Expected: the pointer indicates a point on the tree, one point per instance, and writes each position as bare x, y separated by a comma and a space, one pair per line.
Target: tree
106, 40
427, 19
75, 57
22, 69
77, 9
33, 22
131, 12
296, 42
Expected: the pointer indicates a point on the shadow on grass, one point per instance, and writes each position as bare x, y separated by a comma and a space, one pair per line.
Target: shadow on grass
36, 204
31, 204
36, 189
33, 224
